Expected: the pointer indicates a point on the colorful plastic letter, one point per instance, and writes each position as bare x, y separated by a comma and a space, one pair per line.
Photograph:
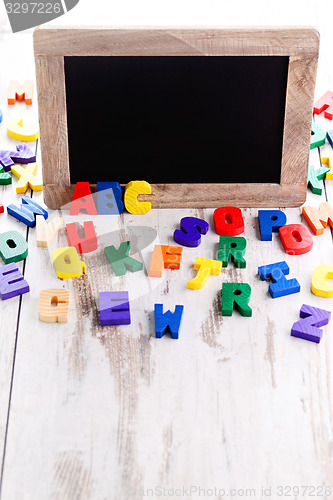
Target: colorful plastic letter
114, 308
20, 91
86, 244
314, 176
16, 130
319, 285
12, 282
23, 154
236, 296
26, 178
53, 305
5, 177
13, 247
47, 231
205, 268
164, 257
329, 136
296, 239
325, 103
27, 211
318, 218
191, 229
67, 263
167, 321
234, 246
109, 198
308, 327
276, 273
120, 260
270, 221
328, 160
132, 190
318, 136
228, 221
2, 208
82, 200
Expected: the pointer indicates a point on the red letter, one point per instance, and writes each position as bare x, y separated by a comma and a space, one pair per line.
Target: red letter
228, 221
296, 239
82, 200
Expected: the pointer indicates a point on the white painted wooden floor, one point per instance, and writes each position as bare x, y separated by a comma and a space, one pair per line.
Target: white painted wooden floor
235, 405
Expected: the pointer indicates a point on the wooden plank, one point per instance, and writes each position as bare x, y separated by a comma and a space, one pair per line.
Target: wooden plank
99, 40
234, 403
112, 411
13, 49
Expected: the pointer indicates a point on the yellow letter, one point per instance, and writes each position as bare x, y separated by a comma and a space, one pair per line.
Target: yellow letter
205, 268
132, 191
26, 178
67, 263
16, 130
318, 281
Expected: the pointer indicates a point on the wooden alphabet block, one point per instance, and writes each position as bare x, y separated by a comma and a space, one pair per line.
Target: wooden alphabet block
46, 231
27, 211
67, 263
12, 282
327, 159
16, 130
23, 155
280, 286
296, 239
308, 327
319, 285
120, 260
167, 321
325, 103
132, 190
5, 177
236, 296
318, 218
53, 306
205, 268
26, 178
228, 221
234, 246
270, 221
191, 229
114, 308
20, 91
314, 176
329, 137
13, 247
86, 244
164, 257
318, 136
109, 198
82, 200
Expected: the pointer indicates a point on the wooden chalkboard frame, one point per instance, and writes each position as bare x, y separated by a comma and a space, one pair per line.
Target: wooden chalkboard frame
300, 44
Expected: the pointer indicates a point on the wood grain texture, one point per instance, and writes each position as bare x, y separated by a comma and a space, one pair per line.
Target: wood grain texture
112, 41
108, 412
301, 44
53, 121
10, 309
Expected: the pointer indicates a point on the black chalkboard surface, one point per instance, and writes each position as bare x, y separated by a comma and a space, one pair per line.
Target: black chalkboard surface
208, 116
176, 119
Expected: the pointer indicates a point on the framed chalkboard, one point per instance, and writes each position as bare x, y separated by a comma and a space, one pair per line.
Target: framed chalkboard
208, 117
